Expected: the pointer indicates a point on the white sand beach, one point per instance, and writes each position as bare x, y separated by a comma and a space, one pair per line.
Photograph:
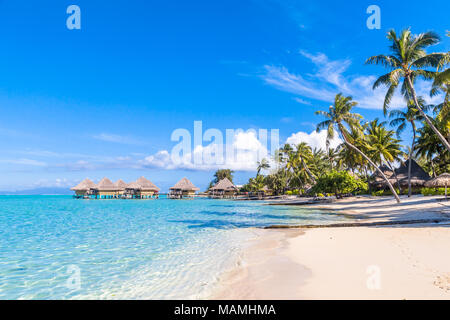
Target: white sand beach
406, 261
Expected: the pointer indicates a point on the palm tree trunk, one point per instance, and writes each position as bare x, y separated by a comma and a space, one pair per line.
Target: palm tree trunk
440, 136
372, 164
410, 159
368, 180
307, 171
395, 175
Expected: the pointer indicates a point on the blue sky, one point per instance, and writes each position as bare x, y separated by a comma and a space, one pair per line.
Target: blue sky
104, 100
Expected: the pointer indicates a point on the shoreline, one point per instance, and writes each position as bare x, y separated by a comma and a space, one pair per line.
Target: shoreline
351, 262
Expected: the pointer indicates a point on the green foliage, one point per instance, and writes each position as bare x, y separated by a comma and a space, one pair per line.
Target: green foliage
380, 193
433, 191
377, 193
222, 174
338, 183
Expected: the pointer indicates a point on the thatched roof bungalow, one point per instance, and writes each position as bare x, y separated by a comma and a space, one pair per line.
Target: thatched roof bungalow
106, 189
182, 188
223, 188
83, 188
121, 185
418, 176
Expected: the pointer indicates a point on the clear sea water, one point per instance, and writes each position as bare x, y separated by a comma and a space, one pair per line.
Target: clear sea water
127, 249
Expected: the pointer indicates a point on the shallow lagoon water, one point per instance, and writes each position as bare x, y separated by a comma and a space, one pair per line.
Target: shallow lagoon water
127, 249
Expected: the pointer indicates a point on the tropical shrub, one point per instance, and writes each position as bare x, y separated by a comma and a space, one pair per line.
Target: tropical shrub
338, 183
433, 191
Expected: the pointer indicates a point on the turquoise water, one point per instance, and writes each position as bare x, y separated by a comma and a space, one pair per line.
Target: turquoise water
56, 247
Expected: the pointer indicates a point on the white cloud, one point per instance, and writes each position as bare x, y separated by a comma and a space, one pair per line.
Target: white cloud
313, 139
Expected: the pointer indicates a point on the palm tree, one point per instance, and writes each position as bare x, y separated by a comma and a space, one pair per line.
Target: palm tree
262, 165
382, 146
406, 62
339, 115
332, 156
401, 118
303, 154
428, 145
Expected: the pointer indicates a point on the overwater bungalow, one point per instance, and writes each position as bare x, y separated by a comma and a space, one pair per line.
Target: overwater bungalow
121, 187
223, 189
183, 189
83, 189
142, 188
105, 189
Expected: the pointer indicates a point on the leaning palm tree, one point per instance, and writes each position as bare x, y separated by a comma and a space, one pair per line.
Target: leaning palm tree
303, 153
401, 118
340, 115
262, 165
407, 63
383, 147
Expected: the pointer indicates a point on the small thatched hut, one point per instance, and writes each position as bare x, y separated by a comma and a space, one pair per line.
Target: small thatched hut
223, 188
183, 188
84, 188
442, 180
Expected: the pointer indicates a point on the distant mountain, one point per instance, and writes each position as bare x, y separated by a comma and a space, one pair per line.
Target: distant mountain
40, 191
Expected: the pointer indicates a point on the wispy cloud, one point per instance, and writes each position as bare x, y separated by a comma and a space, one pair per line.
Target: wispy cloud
116, 138
302, 101
24, 161
329, 78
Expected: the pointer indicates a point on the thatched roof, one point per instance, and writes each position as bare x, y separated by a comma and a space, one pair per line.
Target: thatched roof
105, 185
385, 169
185, 185
418, 175
224, 184
146, 184
440, 181
120, 184
133, 185
86, 184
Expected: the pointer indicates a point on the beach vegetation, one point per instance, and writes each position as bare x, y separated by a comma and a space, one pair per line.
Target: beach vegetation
372, 152
338, 183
